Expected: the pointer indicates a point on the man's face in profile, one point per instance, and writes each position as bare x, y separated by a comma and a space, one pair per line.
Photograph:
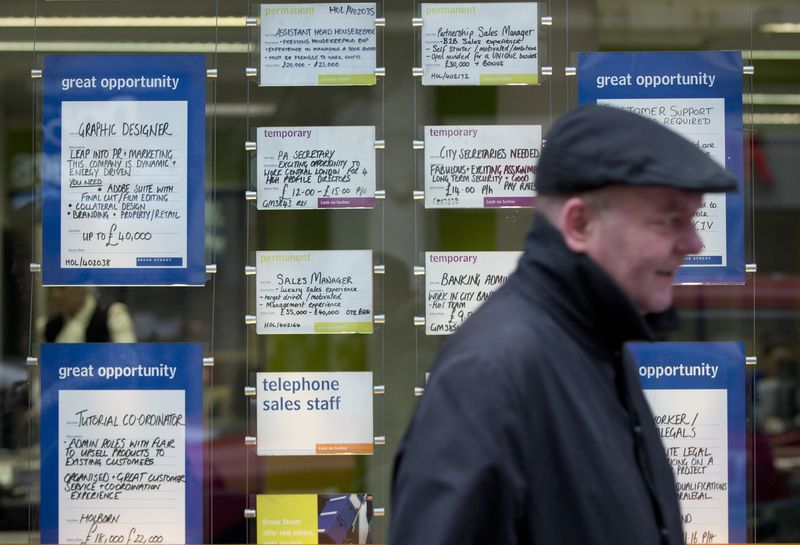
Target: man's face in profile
640, 238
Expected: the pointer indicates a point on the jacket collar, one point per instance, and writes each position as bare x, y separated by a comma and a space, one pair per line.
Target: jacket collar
576, 288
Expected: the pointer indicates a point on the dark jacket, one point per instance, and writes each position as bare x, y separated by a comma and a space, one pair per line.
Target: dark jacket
533, 427
96, 330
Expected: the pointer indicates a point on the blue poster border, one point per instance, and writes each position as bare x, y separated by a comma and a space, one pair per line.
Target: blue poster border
187, 357
730, 358
727, 67
191, 70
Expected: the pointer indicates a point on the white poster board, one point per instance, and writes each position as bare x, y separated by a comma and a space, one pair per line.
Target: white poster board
480, 44
317, 44
702, 121
123, 184
693, 425
315, 167
323, 291
481, 166
314, 413
457, 283
122, 466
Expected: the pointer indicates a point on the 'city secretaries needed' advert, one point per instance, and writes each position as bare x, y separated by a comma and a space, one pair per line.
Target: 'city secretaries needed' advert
481, 166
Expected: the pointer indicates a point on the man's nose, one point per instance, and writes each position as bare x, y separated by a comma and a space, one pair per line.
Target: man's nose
690, 242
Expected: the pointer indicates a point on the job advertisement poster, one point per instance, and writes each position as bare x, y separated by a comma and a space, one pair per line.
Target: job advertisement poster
124, 141
123, 180
318, 44
457, 283
316, 167
480, 44
318, 292
696, 393
314, 413
123, 462
481, 166
699, 96
313, 518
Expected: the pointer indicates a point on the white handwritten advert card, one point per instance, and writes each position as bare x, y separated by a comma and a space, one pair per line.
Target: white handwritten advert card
316, 167
123, 184
317, 44
481, 166
457, 283
317, 292
480, 44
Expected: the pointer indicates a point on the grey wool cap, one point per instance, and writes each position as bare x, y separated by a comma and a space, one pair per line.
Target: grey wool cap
593, 146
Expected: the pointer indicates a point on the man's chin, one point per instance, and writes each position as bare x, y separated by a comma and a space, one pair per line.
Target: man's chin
660, 303
656, 307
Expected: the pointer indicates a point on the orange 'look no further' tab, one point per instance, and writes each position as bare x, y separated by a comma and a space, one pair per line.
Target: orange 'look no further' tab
344, 448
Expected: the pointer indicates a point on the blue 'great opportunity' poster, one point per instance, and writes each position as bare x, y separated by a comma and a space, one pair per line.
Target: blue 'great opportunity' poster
699, 95
124, 141
122, 443
697, 396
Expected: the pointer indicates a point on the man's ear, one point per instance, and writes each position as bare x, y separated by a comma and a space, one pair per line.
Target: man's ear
576, 223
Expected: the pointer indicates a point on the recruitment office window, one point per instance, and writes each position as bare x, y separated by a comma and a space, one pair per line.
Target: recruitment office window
396, 242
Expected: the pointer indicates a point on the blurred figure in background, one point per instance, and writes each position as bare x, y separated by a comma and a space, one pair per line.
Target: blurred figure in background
80, 317
777, 386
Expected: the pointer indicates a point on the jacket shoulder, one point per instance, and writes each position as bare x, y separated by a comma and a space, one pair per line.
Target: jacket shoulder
507, 334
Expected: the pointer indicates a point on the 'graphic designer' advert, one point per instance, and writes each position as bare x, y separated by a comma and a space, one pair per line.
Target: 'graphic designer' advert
124, 137
123, 184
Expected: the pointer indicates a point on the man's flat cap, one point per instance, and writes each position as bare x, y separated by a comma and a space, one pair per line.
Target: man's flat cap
594, 146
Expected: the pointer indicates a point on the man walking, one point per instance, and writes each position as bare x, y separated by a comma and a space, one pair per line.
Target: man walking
533, 428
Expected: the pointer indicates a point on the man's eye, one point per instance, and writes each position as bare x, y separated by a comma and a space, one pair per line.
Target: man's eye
668, 220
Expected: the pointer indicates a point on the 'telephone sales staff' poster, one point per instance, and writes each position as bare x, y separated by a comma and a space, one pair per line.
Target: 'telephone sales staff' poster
699, 96
314, 413
122, 443
124, 144
696, 394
